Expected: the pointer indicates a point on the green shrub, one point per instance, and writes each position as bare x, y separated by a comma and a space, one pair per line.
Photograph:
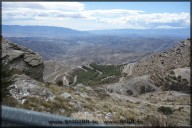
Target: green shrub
59, 82
165, 110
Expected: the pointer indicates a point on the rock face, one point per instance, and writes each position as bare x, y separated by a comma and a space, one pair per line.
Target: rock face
22, 60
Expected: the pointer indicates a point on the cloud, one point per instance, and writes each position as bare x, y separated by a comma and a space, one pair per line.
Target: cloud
166, 27
146, 20
62, 11
45, 5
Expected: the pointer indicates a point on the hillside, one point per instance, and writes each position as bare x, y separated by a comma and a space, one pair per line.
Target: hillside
105, 92
160, 71
182, 32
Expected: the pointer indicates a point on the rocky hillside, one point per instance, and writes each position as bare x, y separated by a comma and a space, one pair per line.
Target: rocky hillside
22, 60
178, 57
169, 70
104, 92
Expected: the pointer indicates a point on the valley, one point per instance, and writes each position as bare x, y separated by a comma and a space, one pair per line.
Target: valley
102, 77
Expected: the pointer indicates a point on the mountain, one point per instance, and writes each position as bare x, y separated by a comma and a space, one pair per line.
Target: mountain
61, 32
151, 89
169, 70
97, 49
182, 32
38, 31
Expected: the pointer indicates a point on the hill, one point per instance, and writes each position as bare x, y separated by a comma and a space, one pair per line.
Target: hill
181, 32
140, 91
38, 31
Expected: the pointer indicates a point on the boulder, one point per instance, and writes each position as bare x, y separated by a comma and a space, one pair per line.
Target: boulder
66, 96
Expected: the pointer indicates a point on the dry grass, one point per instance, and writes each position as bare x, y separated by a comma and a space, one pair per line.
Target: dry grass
98, 110
58, 106
10, 101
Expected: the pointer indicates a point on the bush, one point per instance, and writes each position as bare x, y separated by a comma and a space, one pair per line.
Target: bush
59, 82
6, 79
165, 110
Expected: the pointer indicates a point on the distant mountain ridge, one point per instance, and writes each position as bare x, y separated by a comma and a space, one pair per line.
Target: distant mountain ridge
51, 31
38, 31
183, 32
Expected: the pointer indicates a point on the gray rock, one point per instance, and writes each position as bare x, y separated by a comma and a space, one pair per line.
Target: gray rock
108, 115
25, 86
84, 95
66, 96
22, 60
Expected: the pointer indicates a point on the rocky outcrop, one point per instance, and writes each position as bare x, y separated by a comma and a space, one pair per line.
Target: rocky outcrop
22, 60
24, 87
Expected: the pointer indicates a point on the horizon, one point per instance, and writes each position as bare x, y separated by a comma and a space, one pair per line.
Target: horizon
88, 16
96, 30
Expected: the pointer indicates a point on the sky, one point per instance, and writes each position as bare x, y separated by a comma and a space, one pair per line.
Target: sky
98, 15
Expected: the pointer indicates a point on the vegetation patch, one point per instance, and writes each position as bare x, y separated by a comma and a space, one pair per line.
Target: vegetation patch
100, 74
58, 106
165, 110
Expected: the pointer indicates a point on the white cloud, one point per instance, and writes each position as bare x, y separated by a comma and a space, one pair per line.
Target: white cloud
45, 5
166, 27
62, 5
61, 11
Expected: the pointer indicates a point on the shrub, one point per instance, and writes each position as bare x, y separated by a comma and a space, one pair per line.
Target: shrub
59, 82
6, 79
165, 110
10, 101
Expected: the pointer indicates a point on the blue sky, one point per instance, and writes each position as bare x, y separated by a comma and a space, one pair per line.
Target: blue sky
150, 7
98, 15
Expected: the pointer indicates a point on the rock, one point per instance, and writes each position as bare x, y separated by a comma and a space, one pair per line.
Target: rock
22, 60
66, 96
84, 95
77, 104
108, 115
65, 81
79, 87
88, 88
25, 86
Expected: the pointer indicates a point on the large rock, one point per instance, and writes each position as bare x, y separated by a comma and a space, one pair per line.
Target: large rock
25, 86
22, 60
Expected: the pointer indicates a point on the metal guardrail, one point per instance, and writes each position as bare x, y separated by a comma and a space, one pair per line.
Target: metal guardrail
21, 117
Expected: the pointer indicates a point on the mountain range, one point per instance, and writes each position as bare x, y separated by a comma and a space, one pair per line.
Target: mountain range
51, 31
